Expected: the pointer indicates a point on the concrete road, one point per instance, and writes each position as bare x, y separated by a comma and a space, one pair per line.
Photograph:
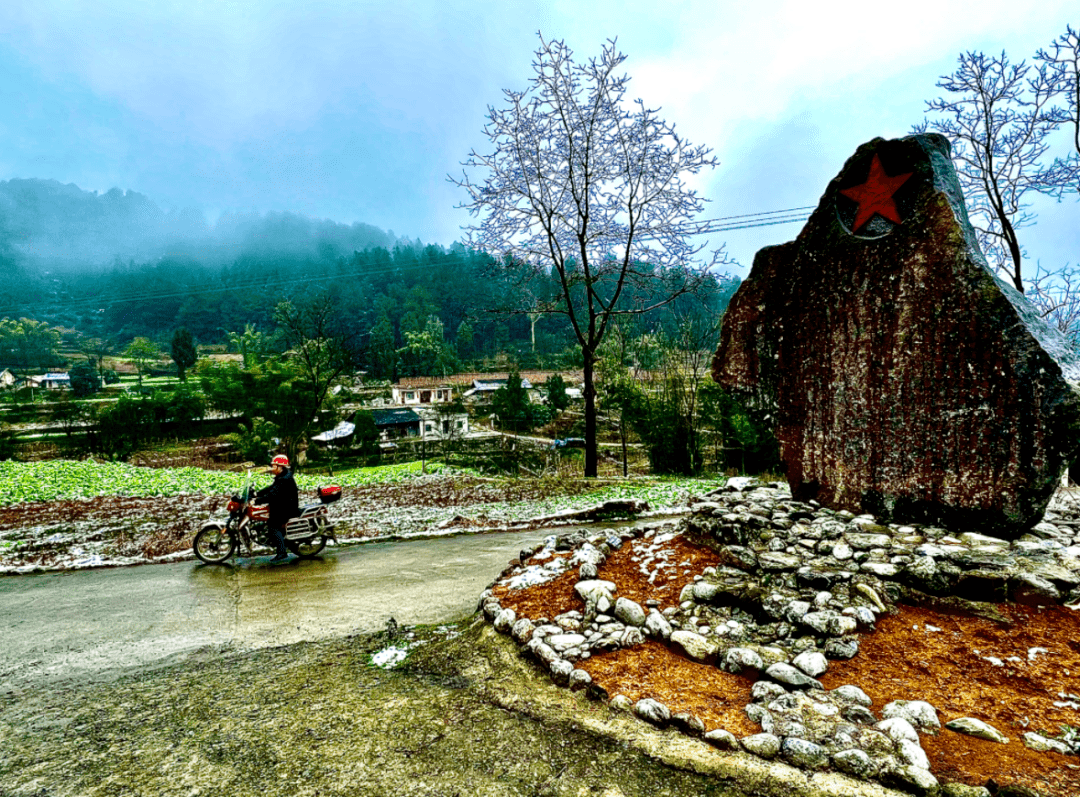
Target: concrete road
97, 623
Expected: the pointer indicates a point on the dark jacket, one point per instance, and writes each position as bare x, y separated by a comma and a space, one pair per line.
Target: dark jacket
282, 498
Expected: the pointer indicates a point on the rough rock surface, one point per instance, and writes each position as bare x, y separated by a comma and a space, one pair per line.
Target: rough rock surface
906, 379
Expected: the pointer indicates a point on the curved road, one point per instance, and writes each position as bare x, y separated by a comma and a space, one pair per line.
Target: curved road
97, 623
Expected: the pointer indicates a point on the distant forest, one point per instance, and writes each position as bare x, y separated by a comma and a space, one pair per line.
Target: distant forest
115, 266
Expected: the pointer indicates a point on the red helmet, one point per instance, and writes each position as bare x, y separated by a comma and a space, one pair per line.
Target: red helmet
281, 460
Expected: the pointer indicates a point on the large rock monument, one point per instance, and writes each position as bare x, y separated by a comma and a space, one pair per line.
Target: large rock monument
905, 378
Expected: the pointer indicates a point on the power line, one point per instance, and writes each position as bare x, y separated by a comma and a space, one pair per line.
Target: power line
765, 213
789, 220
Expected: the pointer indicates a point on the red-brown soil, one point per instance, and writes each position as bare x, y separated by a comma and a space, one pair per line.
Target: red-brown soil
901, 660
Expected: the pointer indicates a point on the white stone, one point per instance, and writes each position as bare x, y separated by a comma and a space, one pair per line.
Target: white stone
922, 779
737, 660
725, 740
504, 621
653, 711
977, 728
852, 694
563, 642
586, 589
854, 762
579, 679
871, 594
897, 729
841, 551
696, 646
629, 612
656, 625
811, 662
912, 753
1043, 745
880, 569
764, 745
918, 712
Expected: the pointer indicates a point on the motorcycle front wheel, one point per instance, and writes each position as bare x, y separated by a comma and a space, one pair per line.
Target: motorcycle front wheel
214, 545
311, 547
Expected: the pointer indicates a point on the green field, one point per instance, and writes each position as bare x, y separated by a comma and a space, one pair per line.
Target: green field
23, 482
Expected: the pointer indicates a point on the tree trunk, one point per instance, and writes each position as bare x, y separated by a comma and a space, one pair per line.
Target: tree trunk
591, 459
622, 434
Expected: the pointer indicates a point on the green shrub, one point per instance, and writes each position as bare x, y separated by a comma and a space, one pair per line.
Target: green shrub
255, 443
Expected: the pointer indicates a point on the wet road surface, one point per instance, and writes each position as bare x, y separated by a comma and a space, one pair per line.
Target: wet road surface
97, 623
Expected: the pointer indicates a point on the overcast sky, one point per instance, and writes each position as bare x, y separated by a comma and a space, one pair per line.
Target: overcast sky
357, 111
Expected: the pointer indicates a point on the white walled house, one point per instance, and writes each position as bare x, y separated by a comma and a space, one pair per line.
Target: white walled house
414, 392
436, 425
50, 381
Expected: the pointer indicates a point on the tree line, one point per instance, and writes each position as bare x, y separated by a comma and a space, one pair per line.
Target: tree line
409, 311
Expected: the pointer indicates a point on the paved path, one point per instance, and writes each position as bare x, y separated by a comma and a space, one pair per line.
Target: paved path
98, 622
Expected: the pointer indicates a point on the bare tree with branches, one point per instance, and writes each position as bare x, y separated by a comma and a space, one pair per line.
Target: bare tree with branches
590, 189
998, 122
1062, 64
1056, 294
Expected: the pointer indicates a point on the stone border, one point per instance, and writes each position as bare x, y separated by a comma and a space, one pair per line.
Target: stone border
798, 584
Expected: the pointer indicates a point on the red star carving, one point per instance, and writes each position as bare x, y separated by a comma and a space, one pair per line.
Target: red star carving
876, 195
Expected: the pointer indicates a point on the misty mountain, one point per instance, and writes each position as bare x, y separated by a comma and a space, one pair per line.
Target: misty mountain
46, 224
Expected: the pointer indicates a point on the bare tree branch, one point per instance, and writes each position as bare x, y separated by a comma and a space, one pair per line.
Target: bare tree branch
998, 121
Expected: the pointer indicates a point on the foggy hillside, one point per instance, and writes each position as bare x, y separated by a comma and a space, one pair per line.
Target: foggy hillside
44, 223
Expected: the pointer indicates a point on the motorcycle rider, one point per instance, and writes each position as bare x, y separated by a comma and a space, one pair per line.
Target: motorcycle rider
284, 503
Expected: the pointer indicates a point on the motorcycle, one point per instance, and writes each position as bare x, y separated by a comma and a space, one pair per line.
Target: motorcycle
248, 526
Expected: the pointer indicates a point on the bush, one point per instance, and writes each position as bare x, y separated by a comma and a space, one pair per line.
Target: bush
514, 410
254, 444
8, 446
133, 421
84, 379
738, 425
555, 388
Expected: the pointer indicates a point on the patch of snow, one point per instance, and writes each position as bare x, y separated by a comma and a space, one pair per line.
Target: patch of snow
390, 657
533, 575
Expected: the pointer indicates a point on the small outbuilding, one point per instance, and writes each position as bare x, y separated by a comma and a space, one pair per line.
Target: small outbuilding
396, 423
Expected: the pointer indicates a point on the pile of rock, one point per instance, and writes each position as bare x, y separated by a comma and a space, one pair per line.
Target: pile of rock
796, 585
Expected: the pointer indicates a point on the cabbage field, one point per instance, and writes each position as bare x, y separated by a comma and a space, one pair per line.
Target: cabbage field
56, 480
59, 480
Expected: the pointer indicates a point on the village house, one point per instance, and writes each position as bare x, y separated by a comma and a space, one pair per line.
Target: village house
393, 424
49, 381
476, 387
419, 392
442, 425
483, 389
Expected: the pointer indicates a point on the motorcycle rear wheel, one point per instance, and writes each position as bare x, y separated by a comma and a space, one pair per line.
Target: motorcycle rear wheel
214, 545
309, 548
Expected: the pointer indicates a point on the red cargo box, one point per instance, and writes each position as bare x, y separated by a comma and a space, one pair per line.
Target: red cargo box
329, 494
